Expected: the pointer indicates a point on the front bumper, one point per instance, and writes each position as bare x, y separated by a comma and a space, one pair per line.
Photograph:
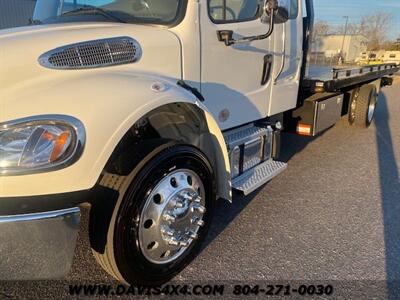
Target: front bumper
38, 245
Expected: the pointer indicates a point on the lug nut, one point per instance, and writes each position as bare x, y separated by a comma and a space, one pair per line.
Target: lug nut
193, 236
197, 222
183, 244
201, 209
168, 231
200, 223
187, 197
173, 242
178, 205
197, 200
169, 218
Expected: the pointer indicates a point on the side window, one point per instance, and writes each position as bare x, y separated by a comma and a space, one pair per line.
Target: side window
229, 11
305, 13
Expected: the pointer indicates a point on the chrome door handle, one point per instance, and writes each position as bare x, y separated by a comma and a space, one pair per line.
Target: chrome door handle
267, 68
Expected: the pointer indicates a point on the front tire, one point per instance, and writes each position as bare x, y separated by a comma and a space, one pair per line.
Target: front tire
161, 218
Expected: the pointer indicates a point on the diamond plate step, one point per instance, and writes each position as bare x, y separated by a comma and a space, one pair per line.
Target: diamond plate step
258, 176
239, 136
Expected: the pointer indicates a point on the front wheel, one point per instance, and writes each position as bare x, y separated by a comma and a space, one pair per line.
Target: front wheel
161, 218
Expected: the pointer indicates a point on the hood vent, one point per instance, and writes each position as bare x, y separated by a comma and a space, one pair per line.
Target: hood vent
93, 54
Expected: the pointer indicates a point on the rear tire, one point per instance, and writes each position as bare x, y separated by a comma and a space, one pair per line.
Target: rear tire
363, 106
143, 247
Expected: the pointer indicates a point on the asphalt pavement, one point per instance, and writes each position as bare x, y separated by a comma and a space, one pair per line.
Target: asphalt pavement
332, 217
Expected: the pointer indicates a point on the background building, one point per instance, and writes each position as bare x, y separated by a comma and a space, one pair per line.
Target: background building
15, 13
348, 47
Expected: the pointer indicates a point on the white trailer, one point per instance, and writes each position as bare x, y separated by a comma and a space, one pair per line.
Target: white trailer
391, 57
150, 111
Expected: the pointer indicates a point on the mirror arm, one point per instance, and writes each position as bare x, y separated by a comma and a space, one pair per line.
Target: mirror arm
263, 36
226, 36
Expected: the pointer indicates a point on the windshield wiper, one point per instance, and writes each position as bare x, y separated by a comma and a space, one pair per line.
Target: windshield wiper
93, 9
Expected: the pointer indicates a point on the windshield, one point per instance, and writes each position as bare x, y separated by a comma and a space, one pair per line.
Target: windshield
163, 12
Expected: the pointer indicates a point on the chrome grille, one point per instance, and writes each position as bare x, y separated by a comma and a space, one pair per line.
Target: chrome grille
93, 54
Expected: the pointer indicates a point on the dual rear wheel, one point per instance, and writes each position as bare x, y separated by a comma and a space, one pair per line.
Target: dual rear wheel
363, 106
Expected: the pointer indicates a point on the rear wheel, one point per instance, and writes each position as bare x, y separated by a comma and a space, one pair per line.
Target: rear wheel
161, 218
363, 106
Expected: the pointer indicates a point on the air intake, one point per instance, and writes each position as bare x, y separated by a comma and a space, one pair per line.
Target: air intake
93, 54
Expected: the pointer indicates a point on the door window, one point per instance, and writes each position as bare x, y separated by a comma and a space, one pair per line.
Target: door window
230, 11
291, 6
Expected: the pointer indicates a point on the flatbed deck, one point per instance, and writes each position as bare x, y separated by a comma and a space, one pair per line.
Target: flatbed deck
322, 80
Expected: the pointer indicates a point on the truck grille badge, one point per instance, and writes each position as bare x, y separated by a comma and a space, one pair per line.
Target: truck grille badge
93, 54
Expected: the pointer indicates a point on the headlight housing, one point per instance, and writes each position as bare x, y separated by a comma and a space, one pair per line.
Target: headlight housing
40, 144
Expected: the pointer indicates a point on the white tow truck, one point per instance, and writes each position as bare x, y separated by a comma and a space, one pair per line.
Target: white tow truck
149, 111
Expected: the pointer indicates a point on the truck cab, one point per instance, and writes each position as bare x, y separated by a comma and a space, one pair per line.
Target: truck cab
206, 63
148, 111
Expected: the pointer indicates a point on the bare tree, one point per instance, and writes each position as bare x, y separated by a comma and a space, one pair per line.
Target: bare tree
321, 28
393, 45
352, 28
376, 27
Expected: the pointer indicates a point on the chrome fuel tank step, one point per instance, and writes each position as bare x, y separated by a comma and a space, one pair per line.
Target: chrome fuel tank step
254, 178
250, 155
240, 136
248, 147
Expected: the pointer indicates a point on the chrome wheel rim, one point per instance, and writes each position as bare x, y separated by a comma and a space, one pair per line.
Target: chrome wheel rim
353, 107
371, 109
353, 110
172, 216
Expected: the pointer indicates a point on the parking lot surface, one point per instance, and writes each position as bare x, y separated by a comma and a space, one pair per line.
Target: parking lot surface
332, 216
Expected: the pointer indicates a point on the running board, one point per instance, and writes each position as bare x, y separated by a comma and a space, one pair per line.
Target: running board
254, 178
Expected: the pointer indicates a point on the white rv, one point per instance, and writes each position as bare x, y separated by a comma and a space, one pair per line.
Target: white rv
392, 57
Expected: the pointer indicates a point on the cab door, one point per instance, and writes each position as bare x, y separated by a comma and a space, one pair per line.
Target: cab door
236, 80
288, 54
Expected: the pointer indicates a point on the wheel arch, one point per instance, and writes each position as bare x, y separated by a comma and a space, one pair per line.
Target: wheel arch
175, 122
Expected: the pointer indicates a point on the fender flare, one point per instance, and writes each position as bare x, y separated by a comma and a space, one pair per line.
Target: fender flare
214, 147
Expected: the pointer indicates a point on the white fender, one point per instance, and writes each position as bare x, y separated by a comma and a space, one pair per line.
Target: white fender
108, 102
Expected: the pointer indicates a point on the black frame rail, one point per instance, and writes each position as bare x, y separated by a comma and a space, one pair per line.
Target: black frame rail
347, 77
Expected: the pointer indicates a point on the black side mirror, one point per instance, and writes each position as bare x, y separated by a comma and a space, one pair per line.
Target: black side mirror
281, 14
270, 6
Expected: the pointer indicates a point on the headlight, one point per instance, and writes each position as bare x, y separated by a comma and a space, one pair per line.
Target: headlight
40, 144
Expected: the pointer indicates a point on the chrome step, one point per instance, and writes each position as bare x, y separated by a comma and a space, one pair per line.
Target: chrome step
240, 136
254, 178
248, 146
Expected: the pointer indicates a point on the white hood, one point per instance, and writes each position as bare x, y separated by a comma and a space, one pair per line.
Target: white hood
20, 49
